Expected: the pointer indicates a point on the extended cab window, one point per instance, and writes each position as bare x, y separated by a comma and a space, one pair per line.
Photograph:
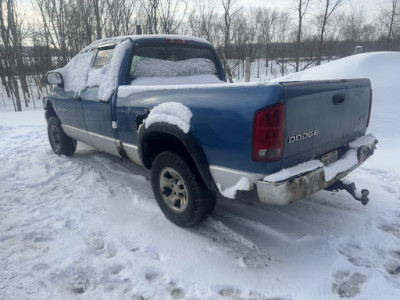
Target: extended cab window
167, 62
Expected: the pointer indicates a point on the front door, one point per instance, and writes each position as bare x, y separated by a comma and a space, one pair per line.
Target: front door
70, 111
97, 112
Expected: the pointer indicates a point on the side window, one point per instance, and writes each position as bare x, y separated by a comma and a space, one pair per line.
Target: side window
101, 67
103, 58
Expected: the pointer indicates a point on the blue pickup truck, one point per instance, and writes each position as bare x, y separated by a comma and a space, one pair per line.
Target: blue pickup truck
163, 102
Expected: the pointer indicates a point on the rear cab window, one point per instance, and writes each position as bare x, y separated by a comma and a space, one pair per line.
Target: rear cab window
172, 64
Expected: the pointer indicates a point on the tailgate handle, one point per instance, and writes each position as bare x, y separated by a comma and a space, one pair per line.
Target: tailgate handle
338, 99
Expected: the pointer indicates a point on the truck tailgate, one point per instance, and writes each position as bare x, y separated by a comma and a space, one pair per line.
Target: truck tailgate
322, 116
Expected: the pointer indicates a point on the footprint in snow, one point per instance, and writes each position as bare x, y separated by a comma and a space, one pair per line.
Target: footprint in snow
237, 294
73, 221
145, 252
115, 269
111, 249
347, 285
152, 276
229, 243
80, 284
231, 293
96, 243
138, 297
177, 293
351, 252
392, 266
40, 236
174, 291
40, 267
391, 228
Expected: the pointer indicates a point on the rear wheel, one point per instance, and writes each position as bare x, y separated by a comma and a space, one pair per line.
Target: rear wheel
60, 143
179, 190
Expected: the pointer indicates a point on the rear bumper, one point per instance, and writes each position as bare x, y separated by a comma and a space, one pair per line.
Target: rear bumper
306, 183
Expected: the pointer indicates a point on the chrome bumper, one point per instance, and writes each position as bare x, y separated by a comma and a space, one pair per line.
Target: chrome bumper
301, 186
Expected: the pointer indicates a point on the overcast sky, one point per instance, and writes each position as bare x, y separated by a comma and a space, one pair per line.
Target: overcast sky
288, 3
370, 6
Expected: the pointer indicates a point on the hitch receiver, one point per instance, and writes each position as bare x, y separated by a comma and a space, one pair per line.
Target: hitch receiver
350, 187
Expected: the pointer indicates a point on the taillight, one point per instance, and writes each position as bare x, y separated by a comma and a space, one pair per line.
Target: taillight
269, 133
370, 107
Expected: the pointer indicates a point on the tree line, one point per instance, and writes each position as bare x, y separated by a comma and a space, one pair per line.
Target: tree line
39, 35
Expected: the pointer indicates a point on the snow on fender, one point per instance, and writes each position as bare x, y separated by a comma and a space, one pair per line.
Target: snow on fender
173, 113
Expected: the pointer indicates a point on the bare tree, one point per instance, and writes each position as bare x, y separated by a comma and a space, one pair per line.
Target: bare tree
282, 30
389, 20
203, 23
329, 7
172, 13
268, 20
302, 7
97, 15
55, 19
12, 39
151, 8
228, 14
119, 17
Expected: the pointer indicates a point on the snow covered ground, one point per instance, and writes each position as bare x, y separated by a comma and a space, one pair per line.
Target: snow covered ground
88, 226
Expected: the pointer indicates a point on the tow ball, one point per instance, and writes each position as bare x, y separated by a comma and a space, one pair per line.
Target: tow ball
350, 187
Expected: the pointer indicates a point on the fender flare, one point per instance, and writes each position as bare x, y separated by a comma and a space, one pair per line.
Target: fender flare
188, 141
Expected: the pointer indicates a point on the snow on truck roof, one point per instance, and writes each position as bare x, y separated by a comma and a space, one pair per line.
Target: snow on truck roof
119, 39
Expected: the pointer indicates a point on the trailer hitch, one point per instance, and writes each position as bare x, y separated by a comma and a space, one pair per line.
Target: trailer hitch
350, 187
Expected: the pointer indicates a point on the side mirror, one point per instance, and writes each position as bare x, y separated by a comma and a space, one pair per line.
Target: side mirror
54, 78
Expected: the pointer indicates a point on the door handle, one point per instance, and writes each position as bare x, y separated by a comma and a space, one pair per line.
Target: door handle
338, 99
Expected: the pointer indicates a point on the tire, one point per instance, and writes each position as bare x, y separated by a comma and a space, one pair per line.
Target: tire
60, 143
179, 190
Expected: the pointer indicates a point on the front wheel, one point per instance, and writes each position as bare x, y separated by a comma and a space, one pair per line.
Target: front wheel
179, 190
59, 141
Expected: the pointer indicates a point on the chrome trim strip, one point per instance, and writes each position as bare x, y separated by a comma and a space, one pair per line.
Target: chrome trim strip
102, 142
91, 133
77, 134
102, 136
105, 143
132, 151
131, 146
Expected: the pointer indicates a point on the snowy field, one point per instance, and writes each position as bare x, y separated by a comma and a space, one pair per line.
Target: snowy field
88, 226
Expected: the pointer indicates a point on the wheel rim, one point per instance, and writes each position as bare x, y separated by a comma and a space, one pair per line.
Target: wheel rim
173, 190
56, 138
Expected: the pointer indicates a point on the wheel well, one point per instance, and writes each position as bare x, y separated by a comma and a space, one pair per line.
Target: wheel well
160, 137
49, 112
156, 142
